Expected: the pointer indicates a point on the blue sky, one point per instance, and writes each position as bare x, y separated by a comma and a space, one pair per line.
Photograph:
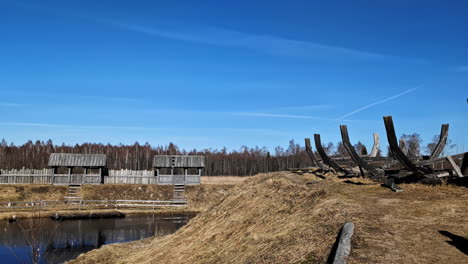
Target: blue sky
206, 74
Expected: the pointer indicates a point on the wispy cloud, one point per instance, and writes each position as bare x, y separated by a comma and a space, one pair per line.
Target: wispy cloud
273, 45
286, 116
26, 124
307, 107
10, 104
72, 128
376, 103
274, 115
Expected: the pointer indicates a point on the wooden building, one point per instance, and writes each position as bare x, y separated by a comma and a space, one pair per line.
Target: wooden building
179, 167
95, 162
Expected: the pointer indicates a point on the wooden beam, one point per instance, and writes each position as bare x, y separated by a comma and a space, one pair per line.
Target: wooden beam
390, 183
354, 156
375, 147
396, 151
309, 151
326, 159
442, 141
464, 164
455, 166
70, 170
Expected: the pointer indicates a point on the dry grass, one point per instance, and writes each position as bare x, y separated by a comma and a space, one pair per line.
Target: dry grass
200, 197
278, 218
10, 193
223, 180
127, 191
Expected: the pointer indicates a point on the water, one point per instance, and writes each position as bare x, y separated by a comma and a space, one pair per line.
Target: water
57, 242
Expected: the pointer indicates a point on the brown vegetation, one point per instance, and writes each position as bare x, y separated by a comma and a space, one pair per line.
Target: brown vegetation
280, 218
222, 179
199, 197
12, 193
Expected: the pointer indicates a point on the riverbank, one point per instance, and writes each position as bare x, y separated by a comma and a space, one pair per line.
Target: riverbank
14, 216
199, 197
281, 218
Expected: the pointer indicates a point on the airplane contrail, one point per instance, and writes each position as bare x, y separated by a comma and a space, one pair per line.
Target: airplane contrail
376, 103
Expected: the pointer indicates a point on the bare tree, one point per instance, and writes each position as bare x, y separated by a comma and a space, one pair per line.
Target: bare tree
340, 149
36, 234
413, 144
328, 148
360, 148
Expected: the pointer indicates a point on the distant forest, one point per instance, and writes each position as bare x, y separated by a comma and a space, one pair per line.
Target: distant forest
243, 162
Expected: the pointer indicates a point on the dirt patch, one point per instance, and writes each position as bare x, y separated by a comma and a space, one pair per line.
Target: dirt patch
280, 218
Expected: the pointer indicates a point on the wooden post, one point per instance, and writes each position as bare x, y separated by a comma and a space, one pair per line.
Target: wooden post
101, 177
83, 178
172, 175
397, 153
326, 159
464, 164
54, 171
309, 151
354, 156
70, 169
375, 147
455, 166
442, 141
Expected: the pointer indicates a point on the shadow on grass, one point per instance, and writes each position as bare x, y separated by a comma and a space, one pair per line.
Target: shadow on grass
459, 242
355, 183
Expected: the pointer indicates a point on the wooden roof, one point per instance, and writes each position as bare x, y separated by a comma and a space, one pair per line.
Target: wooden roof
77, 160
178, 161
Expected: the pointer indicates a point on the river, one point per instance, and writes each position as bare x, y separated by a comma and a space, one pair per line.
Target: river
60, 241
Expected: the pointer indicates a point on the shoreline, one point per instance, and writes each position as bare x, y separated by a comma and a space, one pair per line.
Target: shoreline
47, 214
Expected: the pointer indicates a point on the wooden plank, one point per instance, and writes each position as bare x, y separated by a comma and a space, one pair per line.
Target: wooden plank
396, 151
178, 161
390, 183
464, 164
355, 157
455, 166
442, 141
77, 160
309, 151
326, 159
375, 147
344, 244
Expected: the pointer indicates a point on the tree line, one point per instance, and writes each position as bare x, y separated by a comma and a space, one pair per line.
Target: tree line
242, 162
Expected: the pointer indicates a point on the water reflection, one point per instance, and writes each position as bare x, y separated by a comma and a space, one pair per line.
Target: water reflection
72, 238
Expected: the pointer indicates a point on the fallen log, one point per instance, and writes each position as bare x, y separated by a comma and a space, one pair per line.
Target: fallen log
343, 248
